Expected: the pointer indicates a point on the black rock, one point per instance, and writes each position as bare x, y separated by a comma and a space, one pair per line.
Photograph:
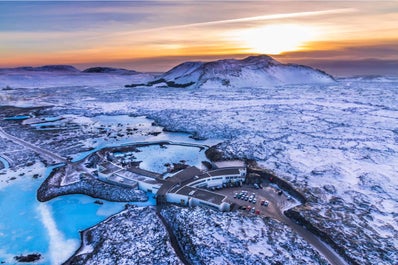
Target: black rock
28, 258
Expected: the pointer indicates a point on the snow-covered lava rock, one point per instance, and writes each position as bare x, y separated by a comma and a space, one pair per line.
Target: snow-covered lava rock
134, 236
211, 237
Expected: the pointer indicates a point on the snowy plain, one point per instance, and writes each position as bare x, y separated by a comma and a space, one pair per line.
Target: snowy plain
337, 143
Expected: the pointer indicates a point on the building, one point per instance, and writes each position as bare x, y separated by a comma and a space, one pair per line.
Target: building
188, 187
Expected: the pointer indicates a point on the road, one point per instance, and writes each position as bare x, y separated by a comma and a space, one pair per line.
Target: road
32, 147
277, 204
173, 239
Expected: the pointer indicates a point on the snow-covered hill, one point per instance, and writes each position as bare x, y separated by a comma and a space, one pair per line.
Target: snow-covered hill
109, 70
66, 75
45, 68
253, 71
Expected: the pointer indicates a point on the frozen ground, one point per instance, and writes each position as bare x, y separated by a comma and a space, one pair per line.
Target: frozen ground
209, 237
337, 143
134, 236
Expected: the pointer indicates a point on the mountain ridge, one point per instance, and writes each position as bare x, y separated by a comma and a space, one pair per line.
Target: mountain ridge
62, 68
254, 71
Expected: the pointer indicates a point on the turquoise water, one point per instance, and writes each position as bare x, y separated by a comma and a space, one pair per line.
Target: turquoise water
51, 228
154, 157
18, 117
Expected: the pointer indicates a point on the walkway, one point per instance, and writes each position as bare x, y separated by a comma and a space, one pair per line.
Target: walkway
32, 147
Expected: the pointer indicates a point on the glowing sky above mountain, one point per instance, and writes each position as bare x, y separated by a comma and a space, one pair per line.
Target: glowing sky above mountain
155, 35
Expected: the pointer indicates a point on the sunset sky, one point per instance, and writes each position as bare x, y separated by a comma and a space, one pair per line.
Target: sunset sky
341, 37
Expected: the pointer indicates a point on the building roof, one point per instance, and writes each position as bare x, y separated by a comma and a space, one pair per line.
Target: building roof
224, 171
109, 168
230, 163
201, 194
144, 172
185, 175
126, 182
166, 186
136, 177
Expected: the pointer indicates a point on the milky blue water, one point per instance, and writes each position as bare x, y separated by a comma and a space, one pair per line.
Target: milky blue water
154, 157
25, 223
18, 117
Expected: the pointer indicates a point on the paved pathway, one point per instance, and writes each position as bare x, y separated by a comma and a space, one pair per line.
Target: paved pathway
32, 147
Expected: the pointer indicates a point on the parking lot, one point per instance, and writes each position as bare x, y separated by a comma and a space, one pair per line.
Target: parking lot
267, 201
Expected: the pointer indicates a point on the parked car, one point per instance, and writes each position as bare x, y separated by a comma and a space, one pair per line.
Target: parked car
266, 203
253, 210
256, 186
254, 201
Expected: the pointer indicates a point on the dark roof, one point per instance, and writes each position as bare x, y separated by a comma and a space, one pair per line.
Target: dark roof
144, 172
187, 174
186, 190
224, 171
165, 188
203, 195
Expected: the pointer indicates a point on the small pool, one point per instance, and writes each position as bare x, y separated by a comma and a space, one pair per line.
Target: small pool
154, 157
16, 118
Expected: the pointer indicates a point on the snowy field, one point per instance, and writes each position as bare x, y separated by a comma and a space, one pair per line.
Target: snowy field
337, 143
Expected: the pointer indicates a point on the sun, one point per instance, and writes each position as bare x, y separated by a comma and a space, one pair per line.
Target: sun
274, 39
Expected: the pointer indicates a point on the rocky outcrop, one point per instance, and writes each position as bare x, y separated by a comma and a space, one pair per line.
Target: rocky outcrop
28, 258
134, 236
215, 154
87, 185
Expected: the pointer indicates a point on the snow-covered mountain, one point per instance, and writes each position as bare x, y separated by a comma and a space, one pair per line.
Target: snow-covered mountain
253, 71
67, 75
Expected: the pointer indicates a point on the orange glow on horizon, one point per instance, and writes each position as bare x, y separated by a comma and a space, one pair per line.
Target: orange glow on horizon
120, 33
